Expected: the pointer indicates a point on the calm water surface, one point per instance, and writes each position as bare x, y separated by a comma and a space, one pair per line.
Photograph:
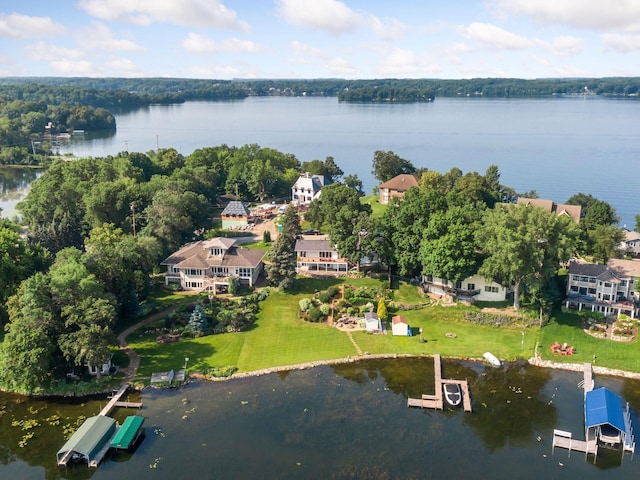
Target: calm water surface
341, 422
556, 146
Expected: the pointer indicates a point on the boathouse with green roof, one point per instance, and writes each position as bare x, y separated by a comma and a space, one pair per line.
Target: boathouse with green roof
89, 441
128, 433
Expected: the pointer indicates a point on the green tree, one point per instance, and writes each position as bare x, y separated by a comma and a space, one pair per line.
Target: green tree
198, 321
387, 165
282, 269
605, 242
329, 169
383, 314
523, 242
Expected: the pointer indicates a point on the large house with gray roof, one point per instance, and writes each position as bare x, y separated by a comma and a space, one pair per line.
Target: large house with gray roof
608, 289
307, 188
316, 254
209, 265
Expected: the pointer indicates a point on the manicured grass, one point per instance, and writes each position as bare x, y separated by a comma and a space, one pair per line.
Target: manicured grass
566, 327
377, 209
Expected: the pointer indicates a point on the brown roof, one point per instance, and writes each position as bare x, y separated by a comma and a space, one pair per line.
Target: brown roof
403, 181
196, 255
615, 269
624, 268
399, 319
574, 211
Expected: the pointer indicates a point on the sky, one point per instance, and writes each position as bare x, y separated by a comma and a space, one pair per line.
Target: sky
352, 39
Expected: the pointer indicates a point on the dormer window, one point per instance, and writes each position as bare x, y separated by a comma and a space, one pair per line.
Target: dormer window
216, 252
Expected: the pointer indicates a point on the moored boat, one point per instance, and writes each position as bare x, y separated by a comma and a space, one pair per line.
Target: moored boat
492, 359
452, 393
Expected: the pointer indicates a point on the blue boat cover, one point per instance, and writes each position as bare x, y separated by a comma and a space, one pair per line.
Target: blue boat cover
604, 407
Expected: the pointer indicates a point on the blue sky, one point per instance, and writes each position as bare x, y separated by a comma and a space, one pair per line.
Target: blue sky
227, 39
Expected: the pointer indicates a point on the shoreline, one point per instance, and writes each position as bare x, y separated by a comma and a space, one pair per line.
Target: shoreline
535, 361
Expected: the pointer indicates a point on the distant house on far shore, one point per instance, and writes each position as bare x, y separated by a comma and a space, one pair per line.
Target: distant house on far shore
396, 187
573, 211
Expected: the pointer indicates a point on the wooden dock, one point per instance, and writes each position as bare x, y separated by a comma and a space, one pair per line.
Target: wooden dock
115, 402
562, 439
436, 401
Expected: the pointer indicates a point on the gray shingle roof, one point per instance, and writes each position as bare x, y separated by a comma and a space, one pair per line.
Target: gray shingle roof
236, 209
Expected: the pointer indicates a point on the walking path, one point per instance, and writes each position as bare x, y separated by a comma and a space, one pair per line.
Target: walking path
358, 349
134, 358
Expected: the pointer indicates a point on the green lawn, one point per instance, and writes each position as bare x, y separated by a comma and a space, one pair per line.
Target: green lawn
376, 208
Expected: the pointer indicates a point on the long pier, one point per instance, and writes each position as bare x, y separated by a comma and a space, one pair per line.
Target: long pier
115, 402
436, 401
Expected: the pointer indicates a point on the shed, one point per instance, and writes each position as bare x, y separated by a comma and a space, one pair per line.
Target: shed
400, 326
235, 214
372, 322
604, 412
128, 433
88, 441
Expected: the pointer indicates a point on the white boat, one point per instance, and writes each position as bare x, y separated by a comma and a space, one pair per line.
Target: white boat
452, 393
492, 359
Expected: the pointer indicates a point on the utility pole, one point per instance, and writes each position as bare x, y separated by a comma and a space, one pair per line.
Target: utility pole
133, 217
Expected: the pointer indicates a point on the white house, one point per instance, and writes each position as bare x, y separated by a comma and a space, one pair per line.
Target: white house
631, 243
316, 254
209, 265
473, 288
307, 188
608, 289
399, 326
372, 322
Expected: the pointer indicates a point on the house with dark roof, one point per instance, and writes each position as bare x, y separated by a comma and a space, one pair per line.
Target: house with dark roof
209, 265
235, 214
316, 254
307, 188
608, 289
573, 211
396, 187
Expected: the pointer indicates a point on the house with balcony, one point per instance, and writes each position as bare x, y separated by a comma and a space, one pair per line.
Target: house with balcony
396, 187
316, 254
471, 289
307, 188
608, 289
209, 265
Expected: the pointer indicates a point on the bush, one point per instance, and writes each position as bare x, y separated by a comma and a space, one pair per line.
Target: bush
324, 297
325, 308
315, 315
333, 291
266, 236
305, 304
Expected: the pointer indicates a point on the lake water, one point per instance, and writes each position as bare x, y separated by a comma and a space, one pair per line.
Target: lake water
342, 422
557, 146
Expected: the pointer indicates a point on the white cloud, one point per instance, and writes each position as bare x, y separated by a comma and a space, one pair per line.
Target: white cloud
616, 15
100, 37
196, 13
391, 29
330, 15
339, 66
302, 49
200, 44
124, 67
222, 71
405, 62
621, 43
565, 45
495, 37
23, 26
74, 68
42, 51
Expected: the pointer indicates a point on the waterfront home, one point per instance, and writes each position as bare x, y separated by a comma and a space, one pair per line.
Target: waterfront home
316, 254
573, 211
209, 265
307, 188
235, 215
631, 243
396, 187
473, 288
400, 326
608, 289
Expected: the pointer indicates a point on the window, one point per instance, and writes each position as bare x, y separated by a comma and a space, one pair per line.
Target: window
244, 272
607, 285
623, 283
459, 285
490, 289
429, 278
217, 252
471, 286
194, 271
325, 255
584, 279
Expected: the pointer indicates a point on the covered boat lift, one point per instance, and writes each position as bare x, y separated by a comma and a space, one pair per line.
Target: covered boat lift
89, 441
605, 414
128, 433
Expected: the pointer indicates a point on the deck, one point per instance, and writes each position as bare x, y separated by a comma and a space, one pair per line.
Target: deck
562, 439
436, 401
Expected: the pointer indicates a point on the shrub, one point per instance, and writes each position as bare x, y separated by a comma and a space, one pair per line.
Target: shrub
198, 321
220, 372
305, 304
266, 236
315, 315
325, 308
324, 297
333, 291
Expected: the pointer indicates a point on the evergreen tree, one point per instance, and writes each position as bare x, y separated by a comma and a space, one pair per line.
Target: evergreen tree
282, 270
382, 310
198, 321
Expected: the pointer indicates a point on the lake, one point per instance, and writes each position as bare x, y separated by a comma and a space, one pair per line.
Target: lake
557, 146
337, 422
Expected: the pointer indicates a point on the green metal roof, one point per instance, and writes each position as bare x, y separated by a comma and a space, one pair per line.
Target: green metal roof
90, 437
127, 433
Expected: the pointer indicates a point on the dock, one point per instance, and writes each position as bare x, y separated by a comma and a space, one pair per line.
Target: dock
436, 401
562, 439
115, 402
